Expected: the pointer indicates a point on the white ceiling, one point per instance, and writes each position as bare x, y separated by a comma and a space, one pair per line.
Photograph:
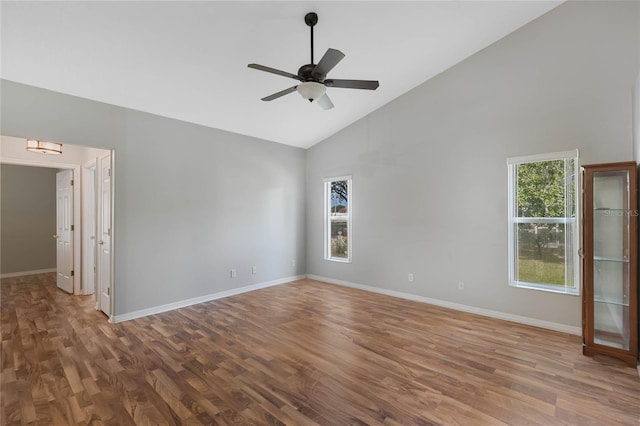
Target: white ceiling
188, 60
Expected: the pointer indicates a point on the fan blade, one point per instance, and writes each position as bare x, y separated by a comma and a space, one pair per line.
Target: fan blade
280, 93
353, 84
274, 71
328, 61
324, 102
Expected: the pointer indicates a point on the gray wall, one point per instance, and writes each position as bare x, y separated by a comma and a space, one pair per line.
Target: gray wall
190, 202
27, 218
636, 106
429, 169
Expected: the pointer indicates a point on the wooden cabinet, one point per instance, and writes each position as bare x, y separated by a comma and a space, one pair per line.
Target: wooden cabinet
610, 290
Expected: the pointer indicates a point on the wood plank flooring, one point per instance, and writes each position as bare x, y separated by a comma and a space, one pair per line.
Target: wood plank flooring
302, 353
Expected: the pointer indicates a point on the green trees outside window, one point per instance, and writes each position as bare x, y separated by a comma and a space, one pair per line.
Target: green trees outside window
543, 225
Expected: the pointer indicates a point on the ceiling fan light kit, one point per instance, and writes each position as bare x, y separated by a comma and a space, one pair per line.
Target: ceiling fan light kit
313, 77
311, 90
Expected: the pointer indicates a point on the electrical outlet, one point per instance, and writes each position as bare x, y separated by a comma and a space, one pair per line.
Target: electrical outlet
254, 269
460, 285
293, 263
410, 278
233, 273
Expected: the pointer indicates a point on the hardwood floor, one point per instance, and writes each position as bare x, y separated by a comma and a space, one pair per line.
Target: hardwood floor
300, 353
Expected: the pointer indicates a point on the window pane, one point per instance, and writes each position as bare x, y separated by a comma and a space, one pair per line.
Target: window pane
339, 239
609, 228
339, 197
611, 215
607, 276
541, 253
541, 189
608, 324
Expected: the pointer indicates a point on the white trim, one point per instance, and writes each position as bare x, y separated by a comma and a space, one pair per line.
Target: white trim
37, 163
112, 240
333, 179
206, 298
549, 156
552, 220
511, 210
456, 306
24, 273
550, 288
88, 180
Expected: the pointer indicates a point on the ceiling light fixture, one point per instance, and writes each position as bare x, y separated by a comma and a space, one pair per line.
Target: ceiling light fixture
311, 90
43, 147
313, 77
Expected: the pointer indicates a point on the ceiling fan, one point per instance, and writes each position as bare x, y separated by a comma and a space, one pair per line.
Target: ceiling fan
313, 77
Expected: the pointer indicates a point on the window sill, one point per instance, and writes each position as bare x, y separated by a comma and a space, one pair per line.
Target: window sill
334, 259
545, 287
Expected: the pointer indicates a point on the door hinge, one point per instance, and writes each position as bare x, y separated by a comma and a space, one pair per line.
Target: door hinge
72, 273
109, 172
109, 231
108, 291
72, 227
71, 182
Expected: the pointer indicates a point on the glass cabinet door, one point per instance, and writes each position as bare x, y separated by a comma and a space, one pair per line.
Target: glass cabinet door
611, 216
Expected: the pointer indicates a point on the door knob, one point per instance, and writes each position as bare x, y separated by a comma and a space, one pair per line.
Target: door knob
56, 236
101, 242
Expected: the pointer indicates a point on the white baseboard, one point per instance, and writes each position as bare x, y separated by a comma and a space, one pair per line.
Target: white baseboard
25, 273
206, 298
457, 306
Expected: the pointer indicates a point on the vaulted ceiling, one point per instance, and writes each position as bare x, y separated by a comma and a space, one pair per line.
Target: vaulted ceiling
188, 60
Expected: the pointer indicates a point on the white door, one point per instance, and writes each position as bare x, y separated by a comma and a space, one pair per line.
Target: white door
64, 230
104, 234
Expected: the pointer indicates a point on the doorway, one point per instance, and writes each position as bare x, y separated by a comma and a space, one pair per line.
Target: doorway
80, 167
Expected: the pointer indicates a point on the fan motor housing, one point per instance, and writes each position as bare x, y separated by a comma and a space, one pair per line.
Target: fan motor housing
305, 72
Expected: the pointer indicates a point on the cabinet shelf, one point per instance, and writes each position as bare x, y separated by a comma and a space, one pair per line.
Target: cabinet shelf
611, 302
610, 259
611, 342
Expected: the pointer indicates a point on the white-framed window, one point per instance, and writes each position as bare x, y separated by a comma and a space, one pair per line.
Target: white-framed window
543, 222
337, 219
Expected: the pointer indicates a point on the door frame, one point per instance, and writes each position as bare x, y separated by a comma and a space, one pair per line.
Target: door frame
89, 215
77, 233
112, 272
